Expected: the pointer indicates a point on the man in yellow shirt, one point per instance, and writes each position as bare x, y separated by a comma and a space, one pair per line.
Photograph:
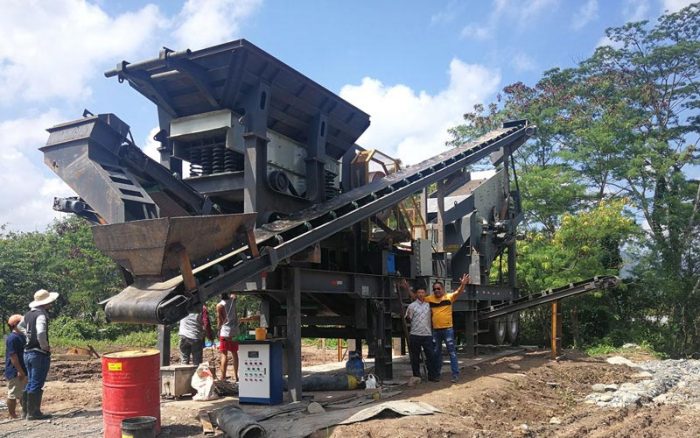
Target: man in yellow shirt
441, 309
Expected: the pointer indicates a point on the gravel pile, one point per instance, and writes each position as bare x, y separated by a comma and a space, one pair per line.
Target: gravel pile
658, 381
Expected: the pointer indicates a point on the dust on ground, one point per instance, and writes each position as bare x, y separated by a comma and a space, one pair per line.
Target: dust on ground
516, 396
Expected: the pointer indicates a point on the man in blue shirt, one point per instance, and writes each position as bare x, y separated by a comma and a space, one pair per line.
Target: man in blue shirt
15, 371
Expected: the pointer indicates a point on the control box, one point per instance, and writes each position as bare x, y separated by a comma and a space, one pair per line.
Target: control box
260, 372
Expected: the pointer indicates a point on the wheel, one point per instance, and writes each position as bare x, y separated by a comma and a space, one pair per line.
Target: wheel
497, 332
498, 328
423, 366
513, 327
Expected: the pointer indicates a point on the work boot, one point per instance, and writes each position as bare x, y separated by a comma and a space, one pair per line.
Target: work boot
34, 406
23, 403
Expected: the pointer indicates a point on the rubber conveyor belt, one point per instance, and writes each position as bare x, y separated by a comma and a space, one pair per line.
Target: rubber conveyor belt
283, 238
527, 301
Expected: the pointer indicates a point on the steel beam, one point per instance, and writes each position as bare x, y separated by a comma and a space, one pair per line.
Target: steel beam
549, 296
293, 345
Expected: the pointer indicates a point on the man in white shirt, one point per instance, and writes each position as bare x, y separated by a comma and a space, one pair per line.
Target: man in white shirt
421, 335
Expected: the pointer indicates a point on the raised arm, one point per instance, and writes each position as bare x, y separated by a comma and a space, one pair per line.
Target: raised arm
463, 282
404, 287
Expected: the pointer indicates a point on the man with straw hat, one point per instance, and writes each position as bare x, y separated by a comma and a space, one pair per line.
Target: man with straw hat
15, 371
37, 352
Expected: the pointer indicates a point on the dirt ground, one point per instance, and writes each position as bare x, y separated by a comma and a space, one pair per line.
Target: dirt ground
526, 394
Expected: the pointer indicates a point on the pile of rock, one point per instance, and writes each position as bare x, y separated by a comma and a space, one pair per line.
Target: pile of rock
659, 381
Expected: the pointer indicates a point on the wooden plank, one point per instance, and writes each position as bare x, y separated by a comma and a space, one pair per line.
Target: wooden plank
205, 420
71, 357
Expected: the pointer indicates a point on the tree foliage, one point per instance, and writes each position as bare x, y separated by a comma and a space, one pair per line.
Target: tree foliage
62, 259
622, 124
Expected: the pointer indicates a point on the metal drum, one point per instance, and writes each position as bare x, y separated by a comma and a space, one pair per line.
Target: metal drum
130, 388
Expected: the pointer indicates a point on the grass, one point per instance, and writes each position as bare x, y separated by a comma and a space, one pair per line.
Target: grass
605, 349
145, 339
136, 339
331, 344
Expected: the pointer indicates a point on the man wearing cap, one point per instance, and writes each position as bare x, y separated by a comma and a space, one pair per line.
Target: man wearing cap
37, 352
15, 371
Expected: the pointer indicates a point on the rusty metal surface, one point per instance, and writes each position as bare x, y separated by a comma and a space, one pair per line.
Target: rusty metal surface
194, 82
284, 238
142, 247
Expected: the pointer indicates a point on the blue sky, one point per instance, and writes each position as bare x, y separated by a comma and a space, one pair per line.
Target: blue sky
414, 66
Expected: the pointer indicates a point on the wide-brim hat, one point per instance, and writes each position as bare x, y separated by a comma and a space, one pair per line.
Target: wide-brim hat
43, 297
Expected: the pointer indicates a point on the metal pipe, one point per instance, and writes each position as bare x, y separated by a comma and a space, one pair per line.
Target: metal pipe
160, 61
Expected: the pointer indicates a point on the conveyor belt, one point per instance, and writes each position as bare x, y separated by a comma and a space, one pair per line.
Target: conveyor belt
527, 301
284, 238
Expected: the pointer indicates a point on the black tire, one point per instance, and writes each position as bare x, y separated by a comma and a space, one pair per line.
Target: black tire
513, 328
423, 366
497, 332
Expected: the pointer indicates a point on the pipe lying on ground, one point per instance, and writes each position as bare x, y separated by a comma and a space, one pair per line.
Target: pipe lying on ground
237, 424
321, 382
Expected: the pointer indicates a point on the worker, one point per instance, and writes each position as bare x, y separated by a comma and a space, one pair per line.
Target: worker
15, 371
37, 351
193, 329
441, 310
227, 320
420, 337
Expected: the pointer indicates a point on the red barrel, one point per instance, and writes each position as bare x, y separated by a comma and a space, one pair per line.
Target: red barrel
130, 388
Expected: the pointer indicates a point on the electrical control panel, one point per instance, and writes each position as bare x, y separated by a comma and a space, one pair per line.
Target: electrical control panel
260, 372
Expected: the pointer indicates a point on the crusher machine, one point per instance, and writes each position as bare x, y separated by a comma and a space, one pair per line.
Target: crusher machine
261, 188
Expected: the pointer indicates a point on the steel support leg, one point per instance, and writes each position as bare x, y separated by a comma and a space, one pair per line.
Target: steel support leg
164, 344
471, 329
556, 329
294, 336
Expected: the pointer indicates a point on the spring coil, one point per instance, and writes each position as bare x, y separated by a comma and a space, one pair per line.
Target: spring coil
218, 162
194, 159
206, 159
329, 184
233, 161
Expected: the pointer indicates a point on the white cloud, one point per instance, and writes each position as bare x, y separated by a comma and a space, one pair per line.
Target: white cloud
150, 145
51, 52
585, 14
206, 22
675, 5
517, 13
523, 63
27, 190
413, 125
52, 49
635, 10
606, 41
477, 32
448, 14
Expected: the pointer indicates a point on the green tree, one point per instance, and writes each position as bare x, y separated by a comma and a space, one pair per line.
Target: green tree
624, 123
62, 259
